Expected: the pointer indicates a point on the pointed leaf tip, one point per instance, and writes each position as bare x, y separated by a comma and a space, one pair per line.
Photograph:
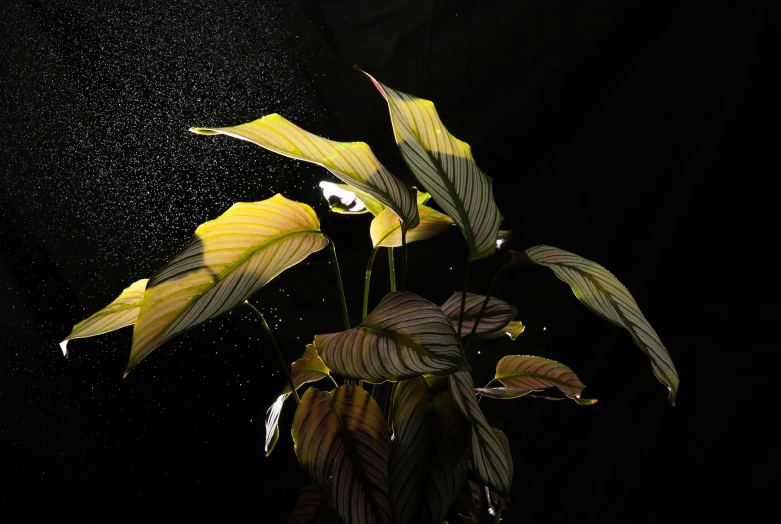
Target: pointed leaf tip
64, 348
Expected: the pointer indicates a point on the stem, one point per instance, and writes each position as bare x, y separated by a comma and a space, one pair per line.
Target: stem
403, 279
482, 308
336, 385
366, 283
276, 348
332, 249
498, 516
463, 296
392, 268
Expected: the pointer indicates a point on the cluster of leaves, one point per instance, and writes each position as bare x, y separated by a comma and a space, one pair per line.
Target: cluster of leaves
430, 444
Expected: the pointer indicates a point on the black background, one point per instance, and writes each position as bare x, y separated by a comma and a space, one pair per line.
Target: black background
641, 135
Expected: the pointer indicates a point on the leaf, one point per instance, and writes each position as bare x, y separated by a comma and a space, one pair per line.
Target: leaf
603, 294
122, 312
405, 336
312, 508
512, 330
537, 373
495, 319
493, 465
386, 228
505, 393
428, 459
343, 442
352, 162
348, 200
227, 261
309, 368
445, 167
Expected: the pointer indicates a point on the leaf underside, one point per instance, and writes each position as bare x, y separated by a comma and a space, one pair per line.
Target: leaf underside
496, 320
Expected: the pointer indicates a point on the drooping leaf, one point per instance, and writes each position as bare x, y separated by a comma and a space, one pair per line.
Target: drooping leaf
505, 393
603, 294
122, 312
228, 260
495, 319
444, 165
386, 229
405, 336
428, 454
493, 465
309, 368
342, 440
348, 200
352, 162
312, 508
537, 373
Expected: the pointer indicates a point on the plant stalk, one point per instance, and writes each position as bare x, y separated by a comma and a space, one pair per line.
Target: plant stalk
366, 284
403, 279
335, 261
463, 296
483, 307
392, 269
276, 349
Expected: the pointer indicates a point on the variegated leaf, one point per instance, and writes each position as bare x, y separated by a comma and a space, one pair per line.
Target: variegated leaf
386, 229
122, 312
342, 440
428, 453
352, 162
405, 336
512, 330
493, 465
505, 393
604, 295
444, 165
228, 260
495, 319
347, 200
312, 508
309, 368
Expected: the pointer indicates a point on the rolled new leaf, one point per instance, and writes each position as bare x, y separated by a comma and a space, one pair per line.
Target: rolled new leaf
122, 312
405, 336
352, 162
309, 368
493, 465
444, 166
428, 461
342, 440
603, 294
385, 229
496, 318
228, 260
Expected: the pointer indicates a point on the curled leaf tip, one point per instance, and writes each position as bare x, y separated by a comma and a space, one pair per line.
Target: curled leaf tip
203, 131
64, 348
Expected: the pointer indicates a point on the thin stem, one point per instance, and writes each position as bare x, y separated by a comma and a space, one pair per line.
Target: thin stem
463, 296
403, 279
482, 308
335, 261
498, 516
276, 348
366, 283
336, 385
392, 269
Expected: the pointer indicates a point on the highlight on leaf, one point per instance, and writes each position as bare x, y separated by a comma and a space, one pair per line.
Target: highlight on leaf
228, 260
491, 462
348, 200
385, 229
428, 461
343, 442
603, 294
121, 312
405, 336
352, 162
523, 375
309, 368
496, 321
444, 166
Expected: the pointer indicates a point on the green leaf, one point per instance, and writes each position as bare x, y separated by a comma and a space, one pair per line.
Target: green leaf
603, 294
352, 162
347, 200
495, 319
309, 368
493, 465
537, 373
512, 330
405, 336
312, 508
428, 453
122, 312
227, 261
421, 196
343, 442
444, 166
386, 228
505, 393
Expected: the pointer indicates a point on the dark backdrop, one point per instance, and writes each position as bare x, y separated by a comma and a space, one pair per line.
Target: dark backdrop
642, 135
